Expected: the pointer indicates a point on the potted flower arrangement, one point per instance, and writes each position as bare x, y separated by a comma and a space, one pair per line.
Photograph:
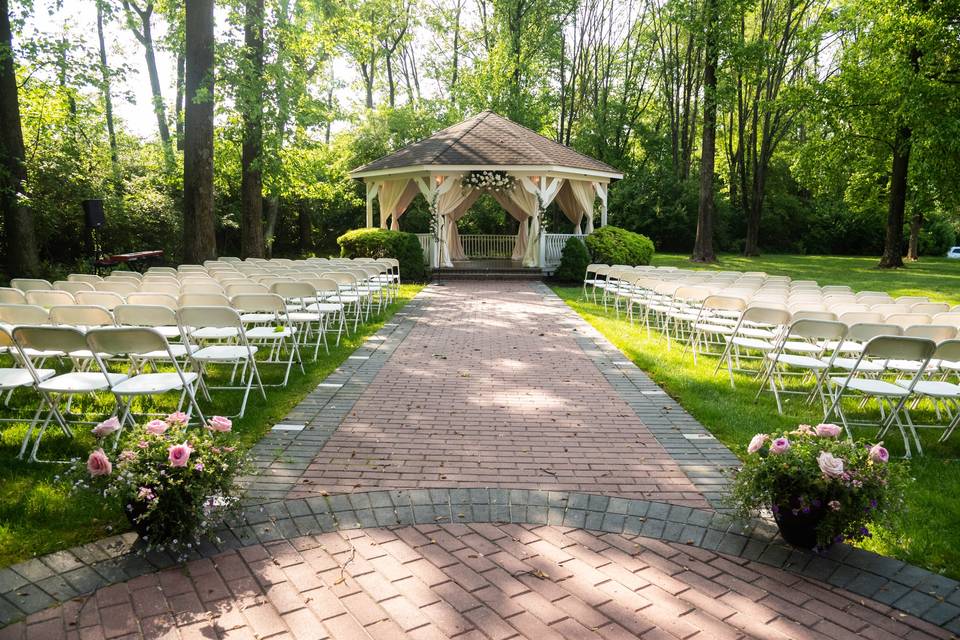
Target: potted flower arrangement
489, 180
173, 483
820, 488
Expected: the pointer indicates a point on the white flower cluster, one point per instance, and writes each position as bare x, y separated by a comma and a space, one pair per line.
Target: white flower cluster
490, 180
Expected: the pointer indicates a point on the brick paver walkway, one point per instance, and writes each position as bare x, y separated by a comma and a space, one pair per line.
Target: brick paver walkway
488, 390
472, 582
492, 386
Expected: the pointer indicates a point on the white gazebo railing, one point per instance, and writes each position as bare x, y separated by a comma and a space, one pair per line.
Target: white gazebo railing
487, 245
426, 241
553, 244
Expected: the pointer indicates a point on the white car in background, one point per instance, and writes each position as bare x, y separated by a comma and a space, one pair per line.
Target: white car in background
954, 253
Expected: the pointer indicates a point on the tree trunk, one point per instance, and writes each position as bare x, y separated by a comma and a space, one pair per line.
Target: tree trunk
145, 36
703, 246
893, 243
391, 85
251, 179
21, 245
306, 229
751, 246
178, 106
199, 223
107, 98
913, 245
273, 209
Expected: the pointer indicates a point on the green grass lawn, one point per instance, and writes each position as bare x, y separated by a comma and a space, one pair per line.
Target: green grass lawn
38, 513
929, 536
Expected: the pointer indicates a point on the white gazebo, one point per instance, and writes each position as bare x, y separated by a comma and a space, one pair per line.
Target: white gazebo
454, 167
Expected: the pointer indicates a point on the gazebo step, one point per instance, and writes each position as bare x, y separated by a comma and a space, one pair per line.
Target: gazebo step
487, 274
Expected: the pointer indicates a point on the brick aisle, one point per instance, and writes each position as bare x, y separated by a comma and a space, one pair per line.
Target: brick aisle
488, 390
471, 582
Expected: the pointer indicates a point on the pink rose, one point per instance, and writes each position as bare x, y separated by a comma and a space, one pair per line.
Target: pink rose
126, 455
105, 428
780, 445
878, 453
805, 430
177, 417
831, 466
757, 442
179, 454
219, 423
827, 430
98, 464
156, 427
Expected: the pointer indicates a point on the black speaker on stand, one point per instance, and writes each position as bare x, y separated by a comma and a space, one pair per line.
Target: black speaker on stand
93, 218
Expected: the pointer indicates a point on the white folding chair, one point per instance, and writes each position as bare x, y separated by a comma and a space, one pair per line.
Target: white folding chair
31, 284
297, 296
141, 344
105, 299
756, 334
231, 347
50, 298
9, 295
891, 397
264, 314
944, 395
18, 377
52, 390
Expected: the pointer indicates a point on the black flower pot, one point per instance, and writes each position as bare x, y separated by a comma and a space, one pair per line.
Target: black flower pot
136, 509
799, 529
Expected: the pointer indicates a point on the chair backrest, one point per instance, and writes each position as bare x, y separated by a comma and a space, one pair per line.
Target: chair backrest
118, 285
889, 308
126, 341
209, 316
203, 300
874, 300
84, 277
169, 288
106, 299
124, 276
253, 302
81, 315
293, 290
775, 316
152, 298
864, 331
50, 298
724, 303
936, 332
951, 318
851, 318
246, 287
323, 286
907, 319
23, 314
808, 314
9, 295
145, 315
909, 300
809, 328
948, 350
190, 287
163, 270
72, 287
900, 348
63, 339
929, 308
31, 284
691, 294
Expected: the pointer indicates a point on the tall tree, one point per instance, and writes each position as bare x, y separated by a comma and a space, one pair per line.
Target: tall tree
199, 223
251, 105
144, 34
21, 245
703, 246
105, 79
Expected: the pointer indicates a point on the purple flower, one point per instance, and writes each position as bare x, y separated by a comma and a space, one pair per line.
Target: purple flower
780, 445
198, 466
832, 467
827, 430
878, 453
757, 442
775, 509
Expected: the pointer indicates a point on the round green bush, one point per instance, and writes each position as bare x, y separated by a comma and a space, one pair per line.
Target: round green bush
573, 261
613, 245
384, 243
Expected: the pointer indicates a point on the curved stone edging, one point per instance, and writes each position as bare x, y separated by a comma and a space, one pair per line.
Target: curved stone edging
57, 578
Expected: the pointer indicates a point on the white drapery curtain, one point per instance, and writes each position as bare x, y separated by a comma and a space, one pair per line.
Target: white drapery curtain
403, 203
575, 199
450, 200
521, 201
389, 194
518, 214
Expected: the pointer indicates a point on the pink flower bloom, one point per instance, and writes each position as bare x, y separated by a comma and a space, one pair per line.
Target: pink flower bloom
143, 444
834, 505
832, 467
878, 453
105, 428
177, 417
229, 449
126, 455
145, 493
219, 423
156, 427
98, 464
179, 454
827, 430
805, 430
757, 442
198, 466
780, 445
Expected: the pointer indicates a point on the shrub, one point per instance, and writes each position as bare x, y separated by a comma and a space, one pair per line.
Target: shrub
383, 243
613, 245
573, 261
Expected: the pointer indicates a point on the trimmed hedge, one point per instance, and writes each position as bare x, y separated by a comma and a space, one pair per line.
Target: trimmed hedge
573, 261
384, 243
613, 245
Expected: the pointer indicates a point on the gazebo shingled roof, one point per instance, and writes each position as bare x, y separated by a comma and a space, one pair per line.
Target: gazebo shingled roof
486, 139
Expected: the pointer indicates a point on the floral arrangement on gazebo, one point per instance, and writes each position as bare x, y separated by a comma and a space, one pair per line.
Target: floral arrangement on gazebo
490, 180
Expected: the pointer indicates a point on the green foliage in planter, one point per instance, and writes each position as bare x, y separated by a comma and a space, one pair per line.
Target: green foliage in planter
383, 243
573, 261
613, 245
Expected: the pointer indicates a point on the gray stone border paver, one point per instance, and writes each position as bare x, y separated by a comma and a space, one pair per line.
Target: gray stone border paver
282, 455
